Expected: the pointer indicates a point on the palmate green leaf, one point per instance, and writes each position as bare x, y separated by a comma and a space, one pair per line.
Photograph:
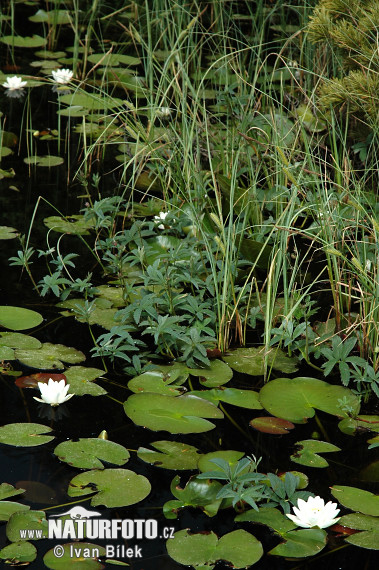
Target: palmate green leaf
181, 414
239, 548
308, 454
25, 435
18, 318
295, 399
87, 453
85, 557
170, 455
18, 553
113, 487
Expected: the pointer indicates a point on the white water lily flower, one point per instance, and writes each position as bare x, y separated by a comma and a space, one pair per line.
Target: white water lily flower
14, 83
53, 393
62, 76
161, 216
314, 512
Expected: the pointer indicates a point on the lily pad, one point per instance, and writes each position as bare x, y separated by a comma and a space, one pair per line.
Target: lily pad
18, 318
229, 455
6, 353
7, 232
242, 398
81, 380
170, 455
308, 454
360, 423
75, 556
75, 224
270, 517
181, 414
113, 59
7, 490
197, 493
25, 435
46, 161
294, 399
251, 361
88, 453
91, 102
301, 543
156, 382
24, 42
7, 508
357, 499
113, 487
54, 17
240, 548
49, 356
18, 553
217, 374
268, 424
19, 340
26, 520
369, 538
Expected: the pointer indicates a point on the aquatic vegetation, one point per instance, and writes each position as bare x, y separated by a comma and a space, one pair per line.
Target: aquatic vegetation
62, 76
314, 512
53, 392
14, 83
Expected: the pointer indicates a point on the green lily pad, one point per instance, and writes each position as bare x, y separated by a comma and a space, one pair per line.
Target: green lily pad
25, 435
46, 161
113, 487
217, 374
7, 490
251, 361
269, 424
170, 455
294, 399
357, 499
18, 553
181, 414
242, 398
87, 453
301, 543
19, 340
270, 517
26, 520
178, 370
369, 538
75, 556
18, 318
7, 232
156, 382
229, 455
81, 380
24, 42
308, 454
49, 356
7, 508
360, 423
54, 17
197, 493
91, 102
239, 548
6, 353
75, 224
113, 59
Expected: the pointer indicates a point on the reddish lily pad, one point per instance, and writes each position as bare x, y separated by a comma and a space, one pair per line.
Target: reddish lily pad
272, 425
32, 380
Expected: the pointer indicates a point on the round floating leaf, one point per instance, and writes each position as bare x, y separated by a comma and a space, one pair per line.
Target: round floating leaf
7, 490
360, 423
18, 319
217, 374
155, 382
91, 102
87, 453
178, 370
268, 424
18, 553
26, 520
301, 543
19, 340
75, 556
357, 499
242, 398
46, 161
73, 111
197, 493
54, 17
6, 353
170, 455
114, 487
7, 508
307, 455
182, 414
270, 517
294, 399
49, 356
81, 380
7, 232
239, 548
75, 224
24, 42
229, 455
113, 59
25, 435
370, 525
251, 361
